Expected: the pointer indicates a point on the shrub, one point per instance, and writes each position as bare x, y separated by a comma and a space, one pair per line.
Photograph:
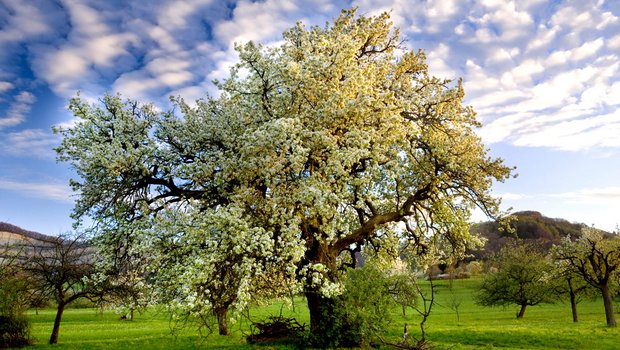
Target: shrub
361, 313
14, 331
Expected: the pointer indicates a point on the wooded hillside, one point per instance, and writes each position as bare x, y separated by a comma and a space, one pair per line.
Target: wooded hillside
530, 225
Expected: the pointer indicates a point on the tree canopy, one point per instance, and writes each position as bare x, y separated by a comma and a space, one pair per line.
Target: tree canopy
521, 278
336, 138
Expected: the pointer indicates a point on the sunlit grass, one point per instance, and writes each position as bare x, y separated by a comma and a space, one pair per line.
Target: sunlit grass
543, 327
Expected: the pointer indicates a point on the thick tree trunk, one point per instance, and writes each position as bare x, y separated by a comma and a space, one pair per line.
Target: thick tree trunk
222, 319
324, 328
522, 311
609, 306
320, 308
56, 329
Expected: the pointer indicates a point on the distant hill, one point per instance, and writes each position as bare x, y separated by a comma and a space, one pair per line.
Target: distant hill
12, 234
529, 225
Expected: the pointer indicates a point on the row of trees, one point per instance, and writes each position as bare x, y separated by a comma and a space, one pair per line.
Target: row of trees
336, 140
585, 266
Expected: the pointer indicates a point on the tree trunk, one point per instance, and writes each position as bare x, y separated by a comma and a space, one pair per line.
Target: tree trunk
609, 306
319, 308
573, 300
222, 319
131, 314
522, 311
56, 329
322, 310
573, 306
324, 329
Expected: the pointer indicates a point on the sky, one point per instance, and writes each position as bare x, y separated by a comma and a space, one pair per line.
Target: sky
543, 76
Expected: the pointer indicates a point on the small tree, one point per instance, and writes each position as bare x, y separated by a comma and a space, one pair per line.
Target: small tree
571, 284
596, 259
520, 279
57, 268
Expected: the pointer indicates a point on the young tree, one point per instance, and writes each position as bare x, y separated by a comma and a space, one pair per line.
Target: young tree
322, 144
520, 279
596, 259
57, 268
572, 284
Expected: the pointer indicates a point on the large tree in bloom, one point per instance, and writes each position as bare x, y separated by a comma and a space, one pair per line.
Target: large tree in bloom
334, 139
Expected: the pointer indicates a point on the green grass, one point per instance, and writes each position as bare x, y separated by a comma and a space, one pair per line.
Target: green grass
543, 327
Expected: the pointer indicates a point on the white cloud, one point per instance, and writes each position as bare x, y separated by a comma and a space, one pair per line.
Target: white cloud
175, 14
572, 17
18, 110
603, 195
587, 50
57, 192
72, 64
595, 132
255, 21
5, 86
525, 72
543, 38
26, 21
437, 64
29, 142
614, 42
607, 18
502, 55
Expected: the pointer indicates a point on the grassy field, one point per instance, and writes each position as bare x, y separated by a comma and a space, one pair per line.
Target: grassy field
543, 327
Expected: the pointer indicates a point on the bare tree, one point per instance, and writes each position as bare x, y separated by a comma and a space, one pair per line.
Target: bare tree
58, 268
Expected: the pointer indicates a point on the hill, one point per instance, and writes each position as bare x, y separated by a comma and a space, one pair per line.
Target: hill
529, 225
13, 234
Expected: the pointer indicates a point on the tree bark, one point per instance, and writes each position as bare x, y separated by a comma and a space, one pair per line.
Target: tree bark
222, 319
609, 306
573, 300
56, 329
319, 307
573, 306
522, 311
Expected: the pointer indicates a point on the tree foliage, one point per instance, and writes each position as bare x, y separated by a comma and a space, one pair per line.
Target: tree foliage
314, 148
521, 279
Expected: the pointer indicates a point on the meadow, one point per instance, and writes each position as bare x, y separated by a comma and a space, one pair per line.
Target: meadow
543, 327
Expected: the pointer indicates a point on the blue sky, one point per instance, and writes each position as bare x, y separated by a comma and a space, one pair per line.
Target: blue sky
544, 77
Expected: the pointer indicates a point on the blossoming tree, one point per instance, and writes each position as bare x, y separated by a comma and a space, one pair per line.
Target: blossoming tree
596, 259
335, 138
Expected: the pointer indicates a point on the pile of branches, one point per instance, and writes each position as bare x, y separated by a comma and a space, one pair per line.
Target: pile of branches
276, 328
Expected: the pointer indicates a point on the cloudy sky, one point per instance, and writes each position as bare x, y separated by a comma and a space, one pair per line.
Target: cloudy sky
544, 77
